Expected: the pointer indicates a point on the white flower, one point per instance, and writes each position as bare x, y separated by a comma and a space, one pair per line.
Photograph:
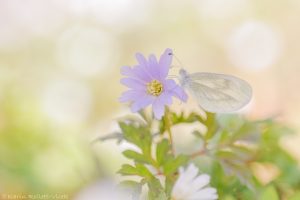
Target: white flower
191, 186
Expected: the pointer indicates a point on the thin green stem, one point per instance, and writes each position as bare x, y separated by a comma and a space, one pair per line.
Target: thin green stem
168, 124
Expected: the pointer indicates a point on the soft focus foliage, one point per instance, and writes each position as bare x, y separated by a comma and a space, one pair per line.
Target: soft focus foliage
229, 150
35, 156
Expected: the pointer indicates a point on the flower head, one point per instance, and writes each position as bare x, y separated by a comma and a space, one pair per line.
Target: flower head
191, 186
149, 84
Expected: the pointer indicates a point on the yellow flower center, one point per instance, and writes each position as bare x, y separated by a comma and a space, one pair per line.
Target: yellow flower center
154, 88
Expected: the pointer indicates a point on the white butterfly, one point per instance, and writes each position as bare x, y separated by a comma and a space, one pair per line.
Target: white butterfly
218, 93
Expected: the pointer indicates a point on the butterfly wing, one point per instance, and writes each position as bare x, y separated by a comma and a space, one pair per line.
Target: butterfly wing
218, 92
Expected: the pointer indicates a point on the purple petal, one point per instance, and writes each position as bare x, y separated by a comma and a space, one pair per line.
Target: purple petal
142, 73
153, 67
136, 72
175, 90
127, 71
133, 83
165, 62
142, 102
165, 98
143, 64
179, 93
170, 84
131, 95
158, 108
141, 59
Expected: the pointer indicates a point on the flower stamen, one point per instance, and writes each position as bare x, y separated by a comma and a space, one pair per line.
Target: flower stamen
154, 88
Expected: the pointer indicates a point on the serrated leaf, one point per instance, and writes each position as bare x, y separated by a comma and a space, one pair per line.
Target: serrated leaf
143, 171
138, 135
127, 169
137, 156
181, 118
172, 165
156, 191
211, 124
139, 170
130, 183
162, 150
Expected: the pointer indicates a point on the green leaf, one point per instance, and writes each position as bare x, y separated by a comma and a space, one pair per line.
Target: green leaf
162, 150
139, 170
235, 166
172, 165
130, 183
162, 196
269, 193
169, 183
138, 135
229, 197
137, 156
296, 196
127, 169
211, 124
180, 118
230, 122
143, 171
156, 191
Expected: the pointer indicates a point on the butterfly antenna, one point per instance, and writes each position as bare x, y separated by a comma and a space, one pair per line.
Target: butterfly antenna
177, 59
174, 66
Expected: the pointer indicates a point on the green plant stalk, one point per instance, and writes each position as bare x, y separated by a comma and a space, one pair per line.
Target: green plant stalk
168, 124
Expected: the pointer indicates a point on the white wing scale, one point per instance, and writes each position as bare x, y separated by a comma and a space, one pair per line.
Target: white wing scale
218, 92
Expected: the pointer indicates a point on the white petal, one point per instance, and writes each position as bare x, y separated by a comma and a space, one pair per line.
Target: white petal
200, 182
189, 186
189, 174
205, 194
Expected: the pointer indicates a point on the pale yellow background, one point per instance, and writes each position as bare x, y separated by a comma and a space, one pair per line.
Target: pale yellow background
60, 59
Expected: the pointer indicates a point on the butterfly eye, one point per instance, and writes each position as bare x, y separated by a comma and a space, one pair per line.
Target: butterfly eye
170, 54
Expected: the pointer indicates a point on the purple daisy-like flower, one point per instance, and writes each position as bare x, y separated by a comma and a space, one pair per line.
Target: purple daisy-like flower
149, 84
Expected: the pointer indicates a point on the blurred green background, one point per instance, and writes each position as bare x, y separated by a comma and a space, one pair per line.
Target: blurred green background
59, 75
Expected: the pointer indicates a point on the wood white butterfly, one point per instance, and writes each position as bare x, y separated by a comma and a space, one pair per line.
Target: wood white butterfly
218, 93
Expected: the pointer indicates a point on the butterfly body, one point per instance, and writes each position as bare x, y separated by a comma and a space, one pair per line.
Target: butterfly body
217, 93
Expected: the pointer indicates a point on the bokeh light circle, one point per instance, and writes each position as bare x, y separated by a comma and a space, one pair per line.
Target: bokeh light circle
86, 51
254, 45
67, 101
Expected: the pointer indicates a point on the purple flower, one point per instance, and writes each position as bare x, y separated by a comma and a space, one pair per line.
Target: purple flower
148, 84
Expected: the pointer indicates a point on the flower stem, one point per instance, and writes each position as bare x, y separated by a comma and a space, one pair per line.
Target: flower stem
168, 125
198, 153
201, 152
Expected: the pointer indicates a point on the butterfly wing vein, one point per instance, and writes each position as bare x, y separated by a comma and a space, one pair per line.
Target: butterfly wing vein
219, 92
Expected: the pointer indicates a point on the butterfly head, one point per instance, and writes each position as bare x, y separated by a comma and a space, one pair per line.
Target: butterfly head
183, 75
